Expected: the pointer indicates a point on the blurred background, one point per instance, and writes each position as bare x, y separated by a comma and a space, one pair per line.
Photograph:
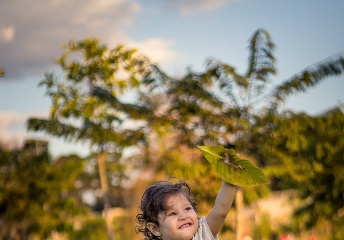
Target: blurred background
98, 99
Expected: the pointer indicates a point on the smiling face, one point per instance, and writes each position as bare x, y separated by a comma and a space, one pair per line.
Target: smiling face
178, 222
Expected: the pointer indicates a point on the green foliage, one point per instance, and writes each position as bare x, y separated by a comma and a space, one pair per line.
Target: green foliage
261, 59
263, 230
308, 156
209, 108
37, 196
124, 227
240, 172
170, 116
220, 106
309, 77
85, 103
92, 229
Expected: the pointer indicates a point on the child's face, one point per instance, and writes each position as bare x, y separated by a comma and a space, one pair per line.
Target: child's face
179, 222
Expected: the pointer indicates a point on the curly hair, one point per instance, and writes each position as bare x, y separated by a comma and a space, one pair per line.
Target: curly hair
154, 201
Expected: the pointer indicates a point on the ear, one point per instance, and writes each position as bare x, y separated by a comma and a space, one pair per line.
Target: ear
154, 229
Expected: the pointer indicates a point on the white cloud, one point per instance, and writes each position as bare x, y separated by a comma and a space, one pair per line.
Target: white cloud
157, 49
33, 31
41, 27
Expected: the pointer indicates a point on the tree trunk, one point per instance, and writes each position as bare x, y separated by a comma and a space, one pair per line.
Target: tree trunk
239, 203
105, 189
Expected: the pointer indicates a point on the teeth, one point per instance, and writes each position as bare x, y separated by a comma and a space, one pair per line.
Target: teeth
185, 225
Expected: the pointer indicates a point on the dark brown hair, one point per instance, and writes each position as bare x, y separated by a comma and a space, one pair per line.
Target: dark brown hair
154, 201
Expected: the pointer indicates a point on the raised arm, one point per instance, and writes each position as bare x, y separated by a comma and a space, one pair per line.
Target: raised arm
223, 204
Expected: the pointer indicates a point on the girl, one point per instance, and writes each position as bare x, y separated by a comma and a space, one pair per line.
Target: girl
169, 212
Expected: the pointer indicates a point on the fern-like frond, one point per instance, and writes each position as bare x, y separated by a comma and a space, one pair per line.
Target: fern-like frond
308, 78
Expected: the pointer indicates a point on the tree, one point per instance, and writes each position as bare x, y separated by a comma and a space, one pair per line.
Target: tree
222, 107
37, 196
87, 106
307, 154
218, 106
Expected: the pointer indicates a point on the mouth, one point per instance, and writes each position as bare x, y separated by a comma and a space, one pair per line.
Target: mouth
185, 225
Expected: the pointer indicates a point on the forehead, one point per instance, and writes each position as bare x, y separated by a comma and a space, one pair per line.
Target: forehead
178, 198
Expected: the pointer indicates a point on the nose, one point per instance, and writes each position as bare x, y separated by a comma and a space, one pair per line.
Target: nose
183, 216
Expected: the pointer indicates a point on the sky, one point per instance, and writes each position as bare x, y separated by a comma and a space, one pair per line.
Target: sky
176, 34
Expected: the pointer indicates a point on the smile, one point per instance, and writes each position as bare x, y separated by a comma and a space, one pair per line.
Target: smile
185, 225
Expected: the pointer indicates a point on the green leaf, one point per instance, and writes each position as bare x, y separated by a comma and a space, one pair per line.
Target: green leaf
241, 172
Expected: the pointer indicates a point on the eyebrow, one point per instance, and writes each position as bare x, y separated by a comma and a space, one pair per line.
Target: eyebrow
187, 204
170, 208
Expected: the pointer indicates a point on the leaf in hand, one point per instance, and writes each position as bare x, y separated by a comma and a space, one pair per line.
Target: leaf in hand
231, 168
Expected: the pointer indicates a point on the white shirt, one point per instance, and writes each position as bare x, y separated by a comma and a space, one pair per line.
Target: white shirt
203, 232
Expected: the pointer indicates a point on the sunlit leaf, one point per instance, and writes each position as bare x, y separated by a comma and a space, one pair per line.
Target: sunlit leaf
239, 172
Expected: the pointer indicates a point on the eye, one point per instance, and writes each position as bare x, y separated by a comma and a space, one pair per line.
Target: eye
187, 209
171, 214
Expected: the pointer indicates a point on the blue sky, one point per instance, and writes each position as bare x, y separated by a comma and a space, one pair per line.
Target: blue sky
176, 34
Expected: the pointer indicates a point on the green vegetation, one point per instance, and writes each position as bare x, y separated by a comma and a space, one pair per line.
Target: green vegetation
236, 170
157, 131
36, 195
307, 154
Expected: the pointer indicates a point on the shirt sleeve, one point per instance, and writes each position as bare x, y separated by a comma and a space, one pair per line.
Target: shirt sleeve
203, 232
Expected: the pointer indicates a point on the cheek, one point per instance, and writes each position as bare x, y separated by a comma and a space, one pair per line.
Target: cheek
167, 226
196, 217
193, 215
